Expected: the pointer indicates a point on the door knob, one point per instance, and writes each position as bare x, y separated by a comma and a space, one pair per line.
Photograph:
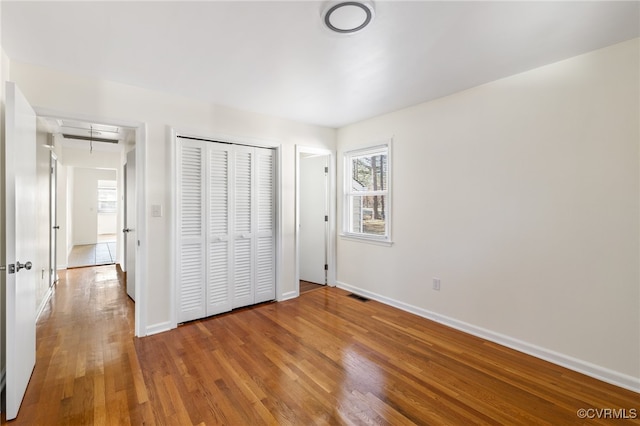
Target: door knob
125, 230
26, 266
56, 227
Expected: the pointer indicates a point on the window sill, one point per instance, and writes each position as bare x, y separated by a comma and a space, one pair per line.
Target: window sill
368, 240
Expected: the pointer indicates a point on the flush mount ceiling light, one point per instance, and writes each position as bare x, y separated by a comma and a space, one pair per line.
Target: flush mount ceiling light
348, 17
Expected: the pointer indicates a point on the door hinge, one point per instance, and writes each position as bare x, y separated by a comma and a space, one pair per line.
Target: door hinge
326, 218
326, 170
326, 267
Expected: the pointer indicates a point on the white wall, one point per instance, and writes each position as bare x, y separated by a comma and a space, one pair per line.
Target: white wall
46, 88
522, 196
68, 219
41, 262
107, 223
85, 205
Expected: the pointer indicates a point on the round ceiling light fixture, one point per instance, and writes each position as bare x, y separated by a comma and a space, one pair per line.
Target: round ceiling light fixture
348, 17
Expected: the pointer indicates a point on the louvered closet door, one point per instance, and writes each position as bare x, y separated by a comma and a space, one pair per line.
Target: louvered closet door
191, 230
264, 226
225, 221
243, 223
219, 267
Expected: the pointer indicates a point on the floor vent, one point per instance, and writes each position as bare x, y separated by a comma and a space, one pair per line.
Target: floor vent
360, 298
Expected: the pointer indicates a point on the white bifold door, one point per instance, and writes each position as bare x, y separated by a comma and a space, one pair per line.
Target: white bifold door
225, 227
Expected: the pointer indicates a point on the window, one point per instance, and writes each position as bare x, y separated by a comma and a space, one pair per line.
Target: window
367, 189
107, 196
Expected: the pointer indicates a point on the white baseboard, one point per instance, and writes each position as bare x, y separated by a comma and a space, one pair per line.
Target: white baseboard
158, 328
598, 372
44, 302
288, 295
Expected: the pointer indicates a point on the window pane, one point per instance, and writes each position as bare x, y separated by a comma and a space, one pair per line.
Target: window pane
369, 172
107, 200
368, 214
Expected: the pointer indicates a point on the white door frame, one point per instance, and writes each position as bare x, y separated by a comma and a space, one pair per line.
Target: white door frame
331, 240
141, 203
260, 143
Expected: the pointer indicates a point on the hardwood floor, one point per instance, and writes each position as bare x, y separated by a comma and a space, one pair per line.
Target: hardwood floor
306, 286
323, 358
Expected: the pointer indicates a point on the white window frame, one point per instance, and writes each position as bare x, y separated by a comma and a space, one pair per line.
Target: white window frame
349, 193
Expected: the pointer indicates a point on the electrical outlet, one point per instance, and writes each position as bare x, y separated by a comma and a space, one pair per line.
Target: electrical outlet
436, 284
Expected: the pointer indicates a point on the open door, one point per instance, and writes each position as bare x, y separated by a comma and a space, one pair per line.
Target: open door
20, 190
53, 220
130, 240
313, 226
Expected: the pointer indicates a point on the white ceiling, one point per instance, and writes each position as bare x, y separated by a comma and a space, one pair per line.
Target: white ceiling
277, 58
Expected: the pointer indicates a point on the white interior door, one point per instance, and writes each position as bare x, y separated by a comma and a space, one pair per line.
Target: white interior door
312, 226
53, 220
129, 230
225, 227
20, 180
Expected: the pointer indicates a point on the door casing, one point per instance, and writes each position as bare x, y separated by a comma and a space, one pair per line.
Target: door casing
260, 143
140, 328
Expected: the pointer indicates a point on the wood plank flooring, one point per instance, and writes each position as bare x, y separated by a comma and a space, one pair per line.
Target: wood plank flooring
306, 286
323, 358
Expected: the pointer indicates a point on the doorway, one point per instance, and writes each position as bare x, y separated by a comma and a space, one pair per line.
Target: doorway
94, 214
315, 218
84, 143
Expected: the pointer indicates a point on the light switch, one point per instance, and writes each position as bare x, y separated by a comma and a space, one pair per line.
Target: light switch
156, 210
